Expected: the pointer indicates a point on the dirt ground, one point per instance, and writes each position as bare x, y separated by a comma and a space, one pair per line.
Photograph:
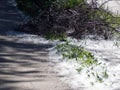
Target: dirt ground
23, 66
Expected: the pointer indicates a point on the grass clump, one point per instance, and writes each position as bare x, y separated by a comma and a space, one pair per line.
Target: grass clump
86, 61
79, 53
53, 36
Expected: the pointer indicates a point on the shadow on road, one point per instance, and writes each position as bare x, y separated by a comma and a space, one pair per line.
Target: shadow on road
20, 64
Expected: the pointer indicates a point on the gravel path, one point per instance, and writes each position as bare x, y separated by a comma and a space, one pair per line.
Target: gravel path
23, 66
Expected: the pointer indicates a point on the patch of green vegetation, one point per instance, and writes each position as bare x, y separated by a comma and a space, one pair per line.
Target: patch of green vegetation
53, 36
85, 59
79, 53
107, 17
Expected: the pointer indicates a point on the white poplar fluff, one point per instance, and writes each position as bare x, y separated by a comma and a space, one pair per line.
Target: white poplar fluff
111, 5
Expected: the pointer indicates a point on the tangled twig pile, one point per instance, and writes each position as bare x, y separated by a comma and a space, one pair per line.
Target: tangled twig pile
78, 21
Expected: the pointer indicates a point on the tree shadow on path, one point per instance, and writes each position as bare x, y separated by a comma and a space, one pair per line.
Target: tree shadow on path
22, 64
